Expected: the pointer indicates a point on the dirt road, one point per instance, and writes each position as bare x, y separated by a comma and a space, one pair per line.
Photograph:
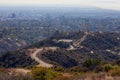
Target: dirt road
40, 61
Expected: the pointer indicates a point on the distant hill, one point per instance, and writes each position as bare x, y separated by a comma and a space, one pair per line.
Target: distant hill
37, 11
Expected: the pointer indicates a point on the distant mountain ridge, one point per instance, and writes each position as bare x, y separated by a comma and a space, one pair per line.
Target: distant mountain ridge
80, 11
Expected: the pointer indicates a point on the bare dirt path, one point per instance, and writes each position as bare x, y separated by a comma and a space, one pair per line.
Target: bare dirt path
78, 42
40, 61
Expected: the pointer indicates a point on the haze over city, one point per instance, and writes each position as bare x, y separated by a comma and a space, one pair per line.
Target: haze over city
106, 4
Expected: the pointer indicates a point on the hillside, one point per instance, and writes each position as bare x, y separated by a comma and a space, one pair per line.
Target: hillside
68, 49
16, 59
101, 46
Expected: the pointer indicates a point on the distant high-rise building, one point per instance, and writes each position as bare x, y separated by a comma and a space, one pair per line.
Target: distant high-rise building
13, 15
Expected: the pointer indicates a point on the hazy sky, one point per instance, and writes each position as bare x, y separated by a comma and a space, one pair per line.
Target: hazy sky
109, 4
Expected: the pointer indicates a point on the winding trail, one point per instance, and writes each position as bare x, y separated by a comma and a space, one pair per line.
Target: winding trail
78, 42
40, 61
45, 64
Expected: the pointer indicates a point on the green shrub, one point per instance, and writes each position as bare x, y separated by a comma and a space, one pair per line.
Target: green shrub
40, 73
115, 71
91, 63
58, 69
107, 67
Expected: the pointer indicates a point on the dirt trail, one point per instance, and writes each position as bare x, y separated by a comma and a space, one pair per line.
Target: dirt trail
78, 42
21, 70
40, 61
71, 48
17, 71
33, 55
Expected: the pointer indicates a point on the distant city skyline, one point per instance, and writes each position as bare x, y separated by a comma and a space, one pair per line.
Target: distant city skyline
106, 4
